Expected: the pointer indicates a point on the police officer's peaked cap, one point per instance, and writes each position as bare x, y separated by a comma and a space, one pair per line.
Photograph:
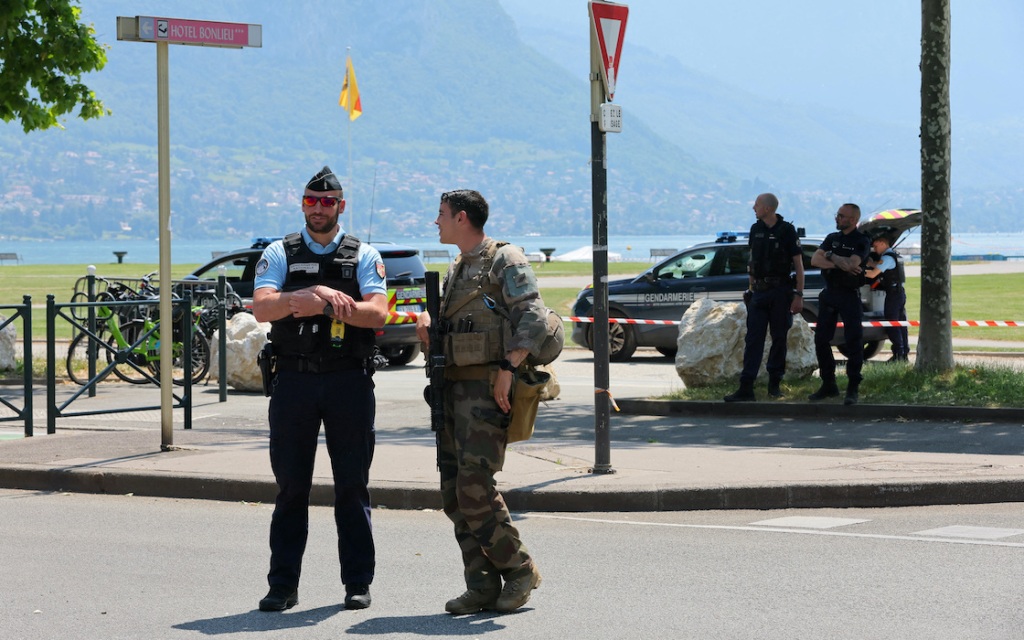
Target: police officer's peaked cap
325, 180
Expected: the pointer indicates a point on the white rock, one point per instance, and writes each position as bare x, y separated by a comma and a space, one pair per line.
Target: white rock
7, 339
710, 345
245, 339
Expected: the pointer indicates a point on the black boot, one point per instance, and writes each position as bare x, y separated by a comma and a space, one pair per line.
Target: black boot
851, 394
828, 389
774, 389
744, 394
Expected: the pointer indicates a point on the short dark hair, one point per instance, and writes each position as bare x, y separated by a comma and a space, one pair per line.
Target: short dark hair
469, 201
855, 208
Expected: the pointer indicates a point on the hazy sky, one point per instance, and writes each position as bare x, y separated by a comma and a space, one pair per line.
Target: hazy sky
860, 55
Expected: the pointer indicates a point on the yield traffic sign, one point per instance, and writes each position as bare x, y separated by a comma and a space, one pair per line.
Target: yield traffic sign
608, 20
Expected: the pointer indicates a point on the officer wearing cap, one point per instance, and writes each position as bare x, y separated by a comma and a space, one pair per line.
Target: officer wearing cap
773, 298
841, 257
324, 293
887, 274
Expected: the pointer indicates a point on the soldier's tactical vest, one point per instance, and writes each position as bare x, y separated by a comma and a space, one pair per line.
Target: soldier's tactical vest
893, 278
767, 259
477, 334
319, 336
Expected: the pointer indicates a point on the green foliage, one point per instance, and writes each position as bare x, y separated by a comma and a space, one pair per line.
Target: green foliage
44, 52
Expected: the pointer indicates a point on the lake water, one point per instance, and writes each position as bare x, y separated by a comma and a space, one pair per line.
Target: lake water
629, 248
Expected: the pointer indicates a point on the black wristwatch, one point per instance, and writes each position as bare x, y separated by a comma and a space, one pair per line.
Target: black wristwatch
328, 310
798, 293
506, 365
828, 255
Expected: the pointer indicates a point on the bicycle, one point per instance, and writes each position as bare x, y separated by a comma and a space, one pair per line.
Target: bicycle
131, 341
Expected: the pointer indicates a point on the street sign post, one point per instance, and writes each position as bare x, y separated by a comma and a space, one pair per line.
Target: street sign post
162, 32
607, 31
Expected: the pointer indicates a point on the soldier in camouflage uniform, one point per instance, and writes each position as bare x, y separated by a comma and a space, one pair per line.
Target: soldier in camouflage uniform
483, 354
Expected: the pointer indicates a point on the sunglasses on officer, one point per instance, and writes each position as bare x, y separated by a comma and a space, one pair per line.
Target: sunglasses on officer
327, 201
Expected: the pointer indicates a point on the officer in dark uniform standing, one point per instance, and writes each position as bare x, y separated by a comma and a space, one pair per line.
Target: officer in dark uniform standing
841, 258
773, 298
324, 293
887, 273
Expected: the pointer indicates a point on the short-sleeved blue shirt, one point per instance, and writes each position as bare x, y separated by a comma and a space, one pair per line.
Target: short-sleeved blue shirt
272, 267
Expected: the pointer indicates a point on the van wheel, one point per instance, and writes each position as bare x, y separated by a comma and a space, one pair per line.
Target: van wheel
621, 340
401, 355
870, 348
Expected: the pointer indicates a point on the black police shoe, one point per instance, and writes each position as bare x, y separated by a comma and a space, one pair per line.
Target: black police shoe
774, 388
851, 395
279, 598
357, 596
826, 390
744, 394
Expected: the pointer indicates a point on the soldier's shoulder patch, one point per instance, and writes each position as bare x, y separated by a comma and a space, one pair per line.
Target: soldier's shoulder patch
262, 266
381, 271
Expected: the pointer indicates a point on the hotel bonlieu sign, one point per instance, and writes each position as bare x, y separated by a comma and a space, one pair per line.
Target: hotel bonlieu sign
195, 32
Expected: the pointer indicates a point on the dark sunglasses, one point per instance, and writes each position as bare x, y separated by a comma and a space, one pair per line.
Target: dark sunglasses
327, 201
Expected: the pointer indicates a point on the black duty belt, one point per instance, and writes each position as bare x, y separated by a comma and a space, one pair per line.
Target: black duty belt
318, 365
771, 282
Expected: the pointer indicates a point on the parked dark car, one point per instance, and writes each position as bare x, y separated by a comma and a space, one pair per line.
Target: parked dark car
406, 282
715, 270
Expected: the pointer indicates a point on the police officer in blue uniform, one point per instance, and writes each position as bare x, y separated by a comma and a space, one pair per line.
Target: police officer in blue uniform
887, 274
324, 293
773, 298
841, 258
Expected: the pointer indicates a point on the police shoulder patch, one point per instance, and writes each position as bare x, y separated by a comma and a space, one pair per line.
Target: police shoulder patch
262, 266
381, 270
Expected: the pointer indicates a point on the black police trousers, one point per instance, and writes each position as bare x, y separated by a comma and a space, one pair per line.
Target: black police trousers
835, 304
895, 308
344, 402
768, 309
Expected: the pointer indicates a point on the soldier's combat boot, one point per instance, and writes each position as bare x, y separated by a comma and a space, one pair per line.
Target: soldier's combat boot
744, 394
774, 388
828, 389
517, 591
472, 601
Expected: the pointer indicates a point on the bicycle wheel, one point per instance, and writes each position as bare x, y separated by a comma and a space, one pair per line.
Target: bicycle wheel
124, 357
78, 357
200, 360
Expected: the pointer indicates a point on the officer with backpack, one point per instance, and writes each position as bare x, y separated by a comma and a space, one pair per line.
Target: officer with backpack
493, 321
887, 275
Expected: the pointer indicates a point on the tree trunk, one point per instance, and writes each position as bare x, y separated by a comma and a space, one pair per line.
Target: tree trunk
935, 340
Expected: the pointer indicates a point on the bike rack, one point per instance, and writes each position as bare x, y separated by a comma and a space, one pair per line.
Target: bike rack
23, 311
55, 311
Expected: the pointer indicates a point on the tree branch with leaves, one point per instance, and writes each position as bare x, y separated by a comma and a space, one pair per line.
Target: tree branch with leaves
44, 51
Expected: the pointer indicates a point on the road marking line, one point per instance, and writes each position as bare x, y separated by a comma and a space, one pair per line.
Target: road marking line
962, 531
808, 532
809, 522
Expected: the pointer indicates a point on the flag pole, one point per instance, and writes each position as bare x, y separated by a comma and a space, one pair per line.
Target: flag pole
351, 209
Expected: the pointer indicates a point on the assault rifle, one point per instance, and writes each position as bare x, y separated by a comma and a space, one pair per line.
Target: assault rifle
434, 393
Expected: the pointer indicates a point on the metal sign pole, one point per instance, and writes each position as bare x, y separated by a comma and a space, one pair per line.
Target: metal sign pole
599, 188
164, 180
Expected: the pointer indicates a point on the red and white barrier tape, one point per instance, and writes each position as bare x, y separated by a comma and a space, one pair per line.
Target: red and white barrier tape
868, 323
395, 316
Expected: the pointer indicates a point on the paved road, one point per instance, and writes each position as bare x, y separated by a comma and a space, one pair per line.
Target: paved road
119, 567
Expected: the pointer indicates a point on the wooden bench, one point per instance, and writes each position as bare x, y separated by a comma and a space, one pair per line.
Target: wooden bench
662, 253
10, 256
439, 254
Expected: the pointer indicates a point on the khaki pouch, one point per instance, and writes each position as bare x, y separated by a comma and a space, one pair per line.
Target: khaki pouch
525, 402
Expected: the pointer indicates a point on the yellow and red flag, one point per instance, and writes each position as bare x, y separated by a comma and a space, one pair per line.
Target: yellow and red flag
349, 98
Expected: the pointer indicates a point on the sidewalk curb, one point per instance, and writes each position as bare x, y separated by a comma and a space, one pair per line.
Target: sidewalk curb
823, 410
636, 498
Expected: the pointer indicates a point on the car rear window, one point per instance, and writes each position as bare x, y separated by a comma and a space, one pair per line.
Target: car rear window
404, 267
